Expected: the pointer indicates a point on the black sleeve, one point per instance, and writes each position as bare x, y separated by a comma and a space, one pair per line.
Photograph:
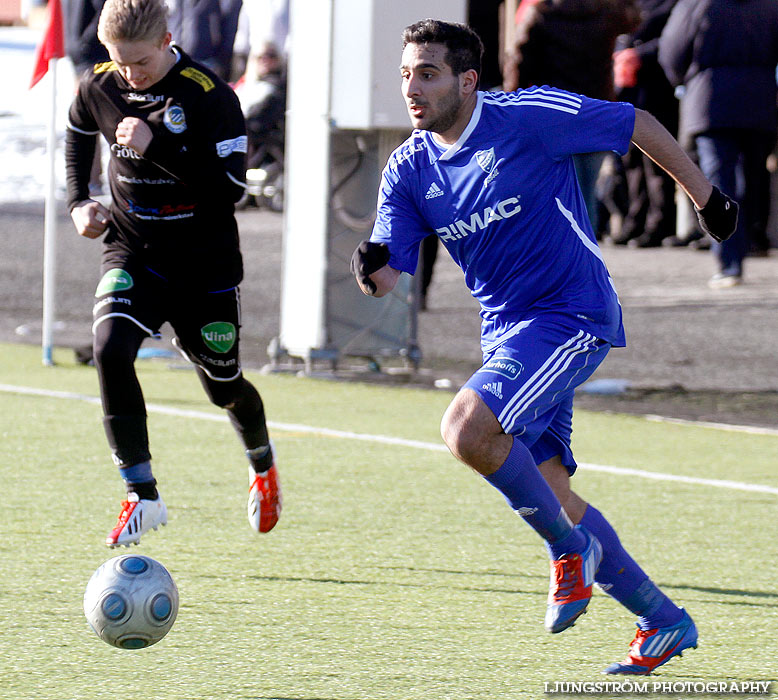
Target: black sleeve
80, 143
79, 153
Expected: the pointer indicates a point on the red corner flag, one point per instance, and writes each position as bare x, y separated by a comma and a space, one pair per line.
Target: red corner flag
53, 44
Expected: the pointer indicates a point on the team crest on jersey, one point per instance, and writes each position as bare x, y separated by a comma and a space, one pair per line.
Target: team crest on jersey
174, 119
487, 161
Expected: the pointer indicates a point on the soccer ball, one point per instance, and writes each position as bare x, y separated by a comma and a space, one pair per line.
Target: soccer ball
131, 601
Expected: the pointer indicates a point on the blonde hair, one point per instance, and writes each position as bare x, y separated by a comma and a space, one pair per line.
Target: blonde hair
132, 20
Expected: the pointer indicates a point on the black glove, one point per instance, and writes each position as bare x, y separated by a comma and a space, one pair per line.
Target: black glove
367, 258
718, 218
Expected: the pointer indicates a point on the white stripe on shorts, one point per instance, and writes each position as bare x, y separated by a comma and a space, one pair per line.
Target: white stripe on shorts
552, 368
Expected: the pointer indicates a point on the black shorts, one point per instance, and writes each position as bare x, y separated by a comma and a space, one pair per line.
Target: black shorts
206, 324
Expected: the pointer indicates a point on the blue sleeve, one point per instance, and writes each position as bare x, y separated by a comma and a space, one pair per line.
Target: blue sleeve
398, 222
597, 126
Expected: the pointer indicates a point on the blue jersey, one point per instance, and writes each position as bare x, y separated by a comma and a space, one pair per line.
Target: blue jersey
505, 202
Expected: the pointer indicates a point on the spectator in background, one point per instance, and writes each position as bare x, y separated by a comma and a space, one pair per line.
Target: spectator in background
84, 50
264, 82
82, 46
639, 79
724, 53
485, 18
206, 30
262, 95
569, 44
260, 21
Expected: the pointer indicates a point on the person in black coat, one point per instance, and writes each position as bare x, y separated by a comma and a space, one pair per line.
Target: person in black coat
724, 53
651, 214
82, 46
85, 51
206, 30
569, 44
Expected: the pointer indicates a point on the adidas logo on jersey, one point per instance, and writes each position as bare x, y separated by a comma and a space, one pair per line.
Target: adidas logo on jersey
433, 191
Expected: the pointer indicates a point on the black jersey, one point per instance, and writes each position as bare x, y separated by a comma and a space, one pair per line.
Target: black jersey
173, 207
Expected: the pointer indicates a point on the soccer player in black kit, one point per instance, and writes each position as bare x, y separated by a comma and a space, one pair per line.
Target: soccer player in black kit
170, 246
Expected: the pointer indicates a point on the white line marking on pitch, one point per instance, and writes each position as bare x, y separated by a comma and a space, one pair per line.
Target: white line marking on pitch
399, 442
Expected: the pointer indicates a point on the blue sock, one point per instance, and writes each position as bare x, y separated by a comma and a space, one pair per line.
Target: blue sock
139, 473
620, 577
567, 545
527, 492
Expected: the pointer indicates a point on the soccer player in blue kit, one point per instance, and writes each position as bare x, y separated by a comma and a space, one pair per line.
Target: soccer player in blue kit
492, 175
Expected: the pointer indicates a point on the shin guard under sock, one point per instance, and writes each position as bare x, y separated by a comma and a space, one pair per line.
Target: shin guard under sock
620, 577
527, 492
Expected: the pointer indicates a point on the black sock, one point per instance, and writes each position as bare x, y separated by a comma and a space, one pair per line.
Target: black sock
261, 458
146, 490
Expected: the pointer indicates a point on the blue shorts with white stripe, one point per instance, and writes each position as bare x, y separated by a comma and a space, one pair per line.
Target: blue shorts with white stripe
528, 383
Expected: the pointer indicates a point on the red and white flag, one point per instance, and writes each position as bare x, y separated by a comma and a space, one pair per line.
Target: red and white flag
53, 44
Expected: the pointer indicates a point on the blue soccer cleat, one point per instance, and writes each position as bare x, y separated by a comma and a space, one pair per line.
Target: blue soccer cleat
652, 648
572, 578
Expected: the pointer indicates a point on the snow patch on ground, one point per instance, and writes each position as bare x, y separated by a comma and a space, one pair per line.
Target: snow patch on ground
24, 118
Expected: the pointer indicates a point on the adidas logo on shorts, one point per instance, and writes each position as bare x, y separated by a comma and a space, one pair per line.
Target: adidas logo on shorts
494, 388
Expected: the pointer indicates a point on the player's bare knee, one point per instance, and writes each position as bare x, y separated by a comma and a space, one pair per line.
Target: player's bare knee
451, 426
459, 440
467, 425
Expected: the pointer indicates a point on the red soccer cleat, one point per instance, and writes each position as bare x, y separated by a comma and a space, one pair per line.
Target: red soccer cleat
264, 506
570, 588
652, 648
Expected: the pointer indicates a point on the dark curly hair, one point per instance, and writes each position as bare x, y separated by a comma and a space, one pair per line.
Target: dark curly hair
464, 49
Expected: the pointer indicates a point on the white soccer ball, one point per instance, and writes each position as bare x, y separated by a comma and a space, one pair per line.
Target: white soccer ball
131, 601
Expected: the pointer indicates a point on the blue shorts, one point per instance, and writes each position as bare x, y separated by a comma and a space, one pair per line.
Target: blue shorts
528, 382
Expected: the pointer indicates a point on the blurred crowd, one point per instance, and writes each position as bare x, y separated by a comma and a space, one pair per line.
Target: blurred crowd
244, 42
705, 68
227, 36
